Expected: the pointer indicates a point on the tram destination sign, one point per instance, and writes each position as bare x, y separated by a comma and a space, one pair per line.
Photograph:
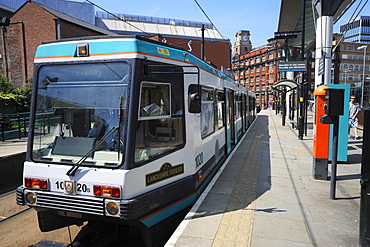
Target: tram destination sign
292, 66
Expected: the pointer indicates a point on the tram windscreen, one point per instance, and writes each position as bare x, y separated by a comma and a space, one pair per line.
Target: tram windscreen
80, 113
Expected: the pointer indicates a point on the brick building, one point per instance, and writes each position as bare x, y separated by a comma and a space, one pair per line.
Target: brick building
30, 25
258, 70
33, 23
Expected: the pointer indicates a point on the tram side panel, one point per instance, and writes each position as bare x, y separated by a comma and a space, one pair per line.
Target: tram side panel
206, 131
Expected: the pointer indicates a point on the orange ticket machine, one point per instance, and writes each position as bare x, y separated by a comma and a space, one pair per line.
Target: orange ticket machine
321, 133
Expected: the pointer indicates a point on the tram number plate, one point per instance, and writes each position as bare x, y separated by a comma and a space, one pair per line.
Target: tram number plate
71, 187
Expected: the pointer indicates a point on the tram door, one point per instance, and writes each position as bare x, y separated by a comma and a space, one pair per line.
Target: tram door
230, 127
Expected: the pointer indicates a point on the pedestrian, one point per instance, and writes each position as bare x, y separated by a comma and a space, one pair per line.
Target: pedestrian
354, 108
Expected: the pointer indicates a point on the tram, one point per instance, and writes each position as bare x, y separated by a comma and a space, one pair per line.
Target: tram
125, 132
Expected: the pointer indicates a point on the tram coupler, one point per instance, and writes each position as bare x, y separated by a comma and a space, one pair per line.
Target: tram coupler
90, 235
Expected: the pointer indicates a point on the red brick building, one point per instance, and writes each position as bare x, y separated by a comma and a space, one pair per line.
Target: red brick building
216, 52
258, 70
30, 25
33, 23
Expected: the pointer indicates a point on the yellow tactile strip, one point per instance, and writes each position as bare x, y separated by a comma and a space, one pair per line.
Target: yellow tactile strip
236, 225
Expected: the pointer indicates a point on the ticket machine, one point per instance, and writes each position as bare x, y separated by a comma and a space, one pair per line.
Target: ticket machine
321, 133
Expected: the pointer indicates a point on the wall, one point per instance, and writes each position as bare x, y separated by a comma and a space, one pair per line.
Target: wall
217, 52
28, 28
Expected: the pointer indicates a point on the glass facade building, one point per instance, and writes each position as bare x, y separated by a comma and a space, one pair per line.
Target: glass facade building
357, 30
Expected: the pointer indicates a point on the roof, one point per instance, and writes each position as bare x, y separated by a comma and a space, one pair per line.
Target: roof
290, 18
284, 83
7, 8
81, 10
136, 25
76, 21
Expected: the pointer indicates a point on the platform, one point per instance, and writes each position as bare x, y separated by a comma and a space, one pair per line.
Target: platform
265, 195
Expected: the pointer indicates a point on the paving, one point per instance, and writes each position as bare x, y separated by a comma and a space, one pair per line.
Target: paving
266, 195
9, 147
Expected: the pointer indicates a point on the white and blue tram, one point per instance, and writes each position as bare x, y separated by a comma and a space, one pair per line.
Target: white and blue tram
126, 132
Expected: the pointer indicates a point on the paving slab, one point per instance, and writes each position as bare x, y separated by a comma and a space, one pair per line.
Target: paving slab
266, 195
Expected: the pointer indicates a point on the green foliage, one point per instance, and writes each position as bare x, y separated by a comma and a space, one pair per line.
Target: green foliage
6, 86
10, 95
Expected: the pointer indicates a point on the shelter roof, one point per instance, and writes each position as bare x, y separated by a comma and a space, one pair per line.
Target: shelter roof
287, 83
290, 18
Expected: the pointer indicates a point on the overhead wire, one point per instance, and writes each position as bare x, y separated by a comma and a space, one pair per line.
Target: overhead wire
150, 35
351, 18
208, 18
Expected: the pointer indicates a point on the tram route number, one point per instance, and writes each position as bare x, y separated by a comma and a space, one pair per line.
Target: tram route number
79, 187
199, 160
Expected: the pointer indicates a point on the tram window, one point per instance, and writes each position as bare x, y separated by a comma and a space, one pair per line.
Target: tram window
220, 109
237, 109
239, 102
79, 111
207, 121
160, 122
155, 100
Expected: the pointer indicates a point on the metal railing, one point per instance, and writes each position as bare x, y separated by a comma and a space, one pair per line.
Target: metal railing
13, 124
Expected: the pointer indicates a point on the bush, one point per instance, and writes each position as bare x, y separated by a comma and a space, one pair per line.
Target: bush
6, 86
18, 99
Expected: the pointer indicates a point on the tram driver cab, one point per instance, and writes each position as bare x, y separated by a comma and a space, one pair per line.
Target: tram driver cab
80, 116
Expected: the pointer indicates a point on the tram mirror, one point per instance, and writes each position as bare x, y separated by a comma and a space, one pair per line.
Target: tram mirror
194, 99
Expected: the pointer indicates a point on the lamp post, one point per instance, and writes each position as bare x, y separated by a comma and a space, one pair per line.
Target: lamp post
345, 76
363, 47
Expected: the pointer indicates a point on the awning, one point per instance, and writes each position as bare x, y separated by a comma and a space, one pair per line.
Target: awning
286, 82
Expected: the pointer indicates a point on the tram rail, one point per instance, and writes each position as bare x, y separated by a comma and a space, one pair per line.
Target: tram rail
9, 209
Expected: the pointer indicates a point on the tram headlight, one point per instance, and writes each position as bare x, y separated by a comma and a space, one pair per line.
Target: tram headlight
83, 50
112, 208
31, 198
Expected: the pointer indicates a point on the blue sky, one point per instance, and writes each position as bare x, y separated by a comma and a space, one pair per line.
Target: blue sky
259, 17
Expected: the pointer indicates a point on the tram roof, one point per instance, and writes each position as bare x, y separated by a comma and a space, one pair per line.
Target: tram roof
290, 18
47, 51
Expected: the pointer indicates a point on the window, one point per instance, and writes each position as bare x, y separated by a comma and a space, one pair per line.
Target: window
155, 100
220, 109
239, 106
160, 120
207, 120
80, 113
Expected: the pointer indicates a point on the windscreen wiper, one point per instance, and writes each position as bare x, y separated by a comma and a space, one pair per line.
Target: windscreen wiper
72, 171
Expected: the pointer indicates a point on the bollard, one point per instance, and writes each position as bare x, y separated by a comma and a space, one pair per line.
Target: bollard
300, 127
364, 181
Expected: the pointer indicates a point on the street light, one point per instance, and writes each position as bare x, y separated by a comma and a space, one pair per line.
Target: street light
345, 76
363, 74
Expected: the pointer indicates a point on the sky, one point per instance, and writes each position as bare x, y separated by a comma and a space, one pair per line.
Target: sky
259, 17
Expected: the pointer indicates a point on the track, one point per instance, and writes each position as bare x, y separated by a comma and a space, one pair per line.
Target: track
19, 226
8, 207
